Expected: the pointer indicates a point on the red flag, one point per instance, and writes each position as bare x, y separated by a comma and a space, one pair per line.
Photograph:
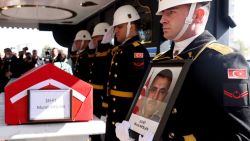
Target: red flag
237, 74
143, 91
138, 55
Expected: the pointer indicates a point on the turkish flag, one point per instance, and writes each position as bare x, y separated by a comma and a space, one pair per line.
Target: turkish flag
138, 55
237, 74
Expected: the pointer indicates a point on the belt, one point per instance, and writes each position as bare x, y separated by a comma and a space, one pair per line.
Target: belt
98, 87
105, 105
121, 93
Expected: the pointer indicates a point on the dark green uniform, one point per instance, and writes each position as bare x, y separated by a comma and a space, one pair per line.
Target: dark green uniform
213, 104
128, 66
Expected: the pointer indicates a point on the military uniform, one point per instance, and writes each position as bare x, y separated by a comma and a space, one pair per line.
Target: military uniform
213, 104
99, 69
81, 67
128, 66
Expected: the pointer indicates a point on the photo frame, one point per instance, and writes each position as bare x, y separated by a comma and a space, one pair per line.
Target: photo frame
156, 96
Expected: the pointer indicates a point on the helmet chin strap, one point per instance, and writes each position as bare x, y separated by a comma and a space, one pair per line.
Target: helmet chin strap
128, 30
188, 21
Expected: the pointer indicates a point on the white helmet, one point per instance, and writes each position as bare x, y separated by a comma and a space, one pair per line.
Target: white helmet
82, 35
166, 4
125, 14
101, 29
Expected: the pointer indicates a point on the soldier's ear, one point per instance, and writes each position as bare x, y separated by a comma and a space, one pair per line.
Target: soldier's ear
199, 15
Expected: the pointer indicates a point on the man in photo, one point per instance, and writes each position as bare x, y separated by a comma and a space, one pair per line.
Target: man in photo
152, 106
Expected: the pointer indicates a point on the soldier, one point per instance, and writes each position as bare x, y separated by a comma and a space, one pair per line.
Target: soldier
99, 69
213, 102
129, 63
81, 42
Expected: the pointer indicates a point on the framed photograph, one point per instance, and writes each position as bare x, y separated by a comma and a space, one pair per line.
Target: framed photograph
49, 105
156, 96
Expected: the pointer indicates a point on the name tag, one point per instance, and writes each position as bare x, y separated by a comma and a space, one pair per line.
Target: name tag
49, 105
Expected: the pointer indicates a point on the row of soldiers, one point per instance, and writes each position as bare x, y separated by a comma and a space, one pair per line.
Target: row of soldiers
115, 72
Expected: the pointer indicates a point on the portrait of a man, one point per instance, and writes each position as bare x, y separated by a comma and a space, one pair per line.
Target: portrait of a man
153, 103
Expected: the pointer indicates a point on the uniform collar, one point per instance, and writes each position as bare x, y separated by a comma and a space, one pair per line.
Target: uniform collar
180, 46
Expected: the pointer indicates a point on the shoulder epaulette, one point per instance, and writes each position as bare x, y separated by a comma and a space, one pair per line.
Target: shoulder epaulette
159, 56
136, 43
224, 50
114, 50
102, 54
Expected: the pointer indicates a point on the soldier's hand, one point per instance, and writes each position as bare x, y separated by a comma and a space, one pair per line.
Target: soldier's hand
121, 131
147, 137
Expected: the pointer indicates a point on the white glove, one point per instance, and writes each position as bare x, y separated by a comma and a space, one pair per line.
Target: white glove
104, 118
147, 137
121, 131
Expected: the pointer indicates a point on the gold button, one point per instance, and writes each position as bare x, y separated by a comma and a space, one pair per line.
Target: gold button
171, 135
114, 87
114, 99
114, 110
115, 75
113, 122
174, 111
116, 64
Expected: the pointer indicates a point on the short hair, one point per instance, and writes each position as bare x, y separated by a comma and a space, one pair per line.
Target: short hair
166, 73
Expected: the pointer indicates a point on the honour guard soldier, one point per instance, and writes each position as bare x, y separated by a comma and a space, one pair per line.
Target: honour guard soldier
81, 42
99, 69
213, 104
129, 63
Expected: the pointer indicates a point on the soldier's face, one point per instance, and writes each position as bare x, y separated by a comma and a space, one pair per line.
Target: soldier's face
120, 32
172, 20
159, 88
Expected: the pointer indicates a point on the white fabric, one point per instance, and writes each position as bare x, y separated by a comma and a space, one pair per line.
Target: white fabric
108, 36
104, 118
147, 137
180, 46
188, 21
121, 131
42, 84
91, 45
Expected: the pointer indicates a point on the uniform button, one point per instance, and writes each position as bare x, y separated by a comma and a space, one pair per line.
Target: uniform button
107, 83
110, 73
92, 64
89, 80
115, 75
114, 99
121, 52
116, 64
114, 110
114, 87
174, 111
90, 72
113, 122
171, 135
